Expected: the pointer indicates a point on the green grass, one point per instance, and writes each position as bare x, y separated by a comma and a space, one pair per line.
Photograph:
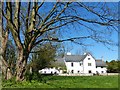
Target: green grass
67, 82
0, 81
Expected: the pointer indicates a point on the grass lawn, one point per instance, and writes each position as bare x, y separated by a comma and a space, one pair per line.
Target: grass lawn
67, 82
0, 81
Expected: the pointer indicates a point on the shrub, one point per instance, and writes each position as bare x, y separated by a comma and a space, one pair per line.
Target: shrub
64, 71
7, 83
33, 76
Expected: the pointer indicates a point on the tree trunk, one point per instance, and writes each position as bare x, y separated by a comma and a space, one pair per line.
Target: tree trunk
21, 72
21, 66
3, 41
4, 65
8, 74
5, 69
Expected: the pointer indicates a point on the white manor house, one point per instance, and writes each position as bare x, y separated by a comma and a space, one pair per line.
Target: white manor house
84, 64
78, 64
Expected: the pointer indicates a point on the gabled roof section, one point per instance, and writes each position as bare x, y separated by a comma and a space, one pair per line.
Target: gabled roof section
74, 58
88, 53
100, 62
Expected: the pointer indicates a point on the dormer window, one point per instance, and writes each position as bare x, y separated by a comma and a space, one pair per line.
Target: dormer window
72, 64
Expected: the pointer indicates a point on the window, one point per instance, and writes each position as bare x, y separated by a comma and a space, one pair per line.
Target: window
89, 71
51, 72
89, 64
80, 64
72, 71
88, 58
72, 64
55, 72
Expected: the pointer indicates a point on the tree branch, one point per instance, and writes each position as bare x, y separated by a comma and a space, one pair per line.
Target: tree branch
57, 40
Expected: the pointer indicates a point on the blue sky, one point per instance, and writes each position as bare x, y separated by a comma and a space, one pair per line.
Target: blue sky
74, 0
97, 49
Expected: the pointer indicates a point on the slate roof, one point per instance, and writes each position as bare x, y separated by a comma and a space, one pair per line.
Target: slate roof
100, 63
59, 61
74, 58
78, 58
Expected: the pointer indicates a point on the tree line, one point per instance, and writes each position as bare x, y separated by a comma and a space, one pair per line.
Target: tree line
113, 66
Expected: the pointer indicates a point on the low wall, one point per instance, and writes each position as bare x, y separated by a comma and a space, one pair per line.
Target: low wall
83, 74
110, 74
75, 74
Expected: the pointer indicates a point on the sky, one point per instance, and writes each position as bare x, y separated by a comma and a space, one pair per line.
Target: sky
73, 0
98, 50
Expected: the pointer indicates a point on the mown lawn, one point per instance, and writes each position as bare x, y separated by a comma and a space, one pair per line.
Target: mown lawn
67, 82
0, 81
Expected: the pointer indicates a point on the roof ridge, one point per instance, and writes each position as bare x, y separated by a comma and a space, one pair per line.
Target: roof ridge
75, 55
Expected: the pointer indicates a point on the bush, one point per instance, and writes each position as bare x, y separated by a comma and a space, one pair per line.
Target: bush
64, 71
7, 83
32, 76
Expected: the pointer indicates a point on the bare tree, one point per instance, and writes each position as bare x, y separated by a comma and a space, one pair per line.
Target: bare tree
4, 32
32, 26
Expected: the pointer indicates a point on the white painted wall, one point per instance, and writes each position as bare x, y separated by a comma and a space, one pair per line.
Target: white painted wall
86, 68
76, 67
99, 70
49, 71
